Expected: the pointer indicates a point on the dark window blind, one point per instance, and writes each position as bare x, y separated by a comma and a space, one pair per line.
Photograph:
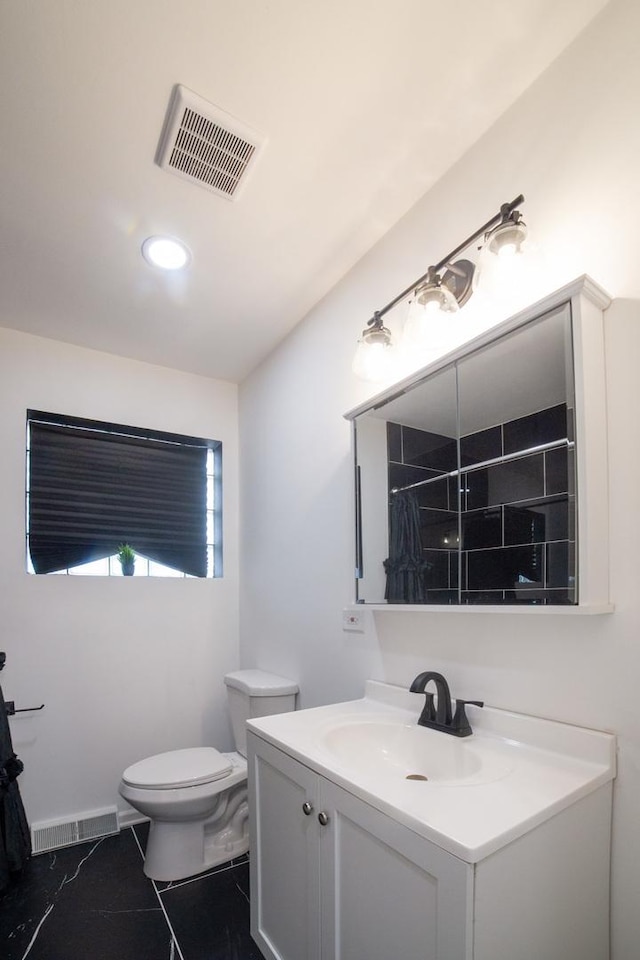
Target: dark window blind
91, 489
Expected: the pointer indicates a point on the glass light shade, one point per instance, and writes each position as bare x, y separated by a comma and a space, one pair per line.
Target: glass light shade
425, 337
166, 253
417, 327
507, 238
372, 359
431, 304
508, 268
434, 299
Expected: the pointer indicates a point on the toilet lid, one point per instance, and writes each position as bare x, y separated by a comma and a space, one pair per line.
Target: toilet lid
178, 768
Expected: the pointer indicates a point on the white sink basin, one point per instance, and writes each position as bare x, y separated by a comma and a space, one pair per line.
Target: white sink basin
472, 794
408, 752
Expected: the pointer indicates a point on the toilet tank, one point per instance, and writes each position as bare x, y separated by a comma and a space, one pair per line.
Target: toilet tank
256, 693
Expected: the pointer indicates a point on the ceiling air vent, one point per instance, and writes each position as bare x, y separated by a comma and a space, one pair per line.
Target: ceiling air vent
205, 145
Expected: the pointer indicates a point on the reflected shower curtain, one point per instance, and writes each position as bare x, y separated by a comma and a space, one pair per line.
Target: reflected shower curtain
405, 566
15, 842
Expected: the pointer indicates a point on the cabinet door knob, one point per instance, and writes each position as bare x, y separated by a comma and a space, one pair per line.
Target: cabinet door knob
307, 808
323, 818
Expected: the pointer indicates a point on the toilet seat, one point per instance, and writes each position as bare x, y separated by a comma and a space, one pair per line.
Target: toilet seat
178, 768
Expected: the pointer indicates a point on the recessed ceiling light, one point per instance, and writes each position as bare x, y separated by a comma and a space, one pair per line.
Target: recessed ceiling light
166, 253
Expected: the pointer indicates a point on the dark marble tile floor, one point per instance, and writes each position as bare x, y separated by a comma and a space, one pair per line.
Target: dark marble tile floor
93, 902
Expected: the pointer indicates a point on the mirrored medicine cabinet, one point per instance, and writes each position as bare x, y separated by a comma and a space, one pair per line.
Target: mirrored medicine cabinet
482, 480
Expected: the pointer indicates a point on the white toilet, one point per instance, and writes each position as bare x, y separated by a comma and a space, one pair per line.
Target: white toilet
196, 798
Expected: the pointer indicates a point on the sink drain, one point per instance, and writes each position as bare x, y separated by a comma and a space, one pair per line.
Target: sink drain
416, 776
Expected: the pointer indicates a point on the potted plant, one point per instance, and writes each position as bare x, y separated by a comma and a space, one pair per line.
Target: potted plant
127, 558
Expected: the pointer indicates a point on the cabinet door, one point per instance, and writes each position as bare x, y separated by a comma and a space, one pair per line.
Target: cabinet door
385, 892
284, 866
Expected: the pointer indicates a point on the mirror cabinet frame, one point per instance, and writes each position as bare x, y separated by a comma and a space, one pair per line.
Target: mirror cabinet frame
587, 303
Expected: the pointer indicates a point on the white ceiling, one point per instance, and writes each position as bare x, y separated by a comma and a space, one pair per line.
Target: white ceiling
364, 103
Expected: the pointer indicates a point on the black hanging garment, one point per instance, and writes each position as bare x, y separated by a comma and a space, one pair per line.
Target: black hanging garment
15, 841
405, 566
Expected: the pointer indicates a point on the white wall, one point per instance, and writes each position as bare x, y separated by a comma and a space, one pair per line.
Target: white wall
571, 146
126, 667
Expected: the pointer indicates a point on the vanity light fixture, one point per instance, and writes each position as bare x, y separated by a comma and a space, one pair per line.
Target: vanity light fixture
167, 253
370, 361
442, 290
507, 238
434, 296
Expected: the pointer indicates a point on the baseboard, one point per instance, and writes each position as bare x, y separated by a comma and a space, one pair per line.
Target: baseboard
129, 818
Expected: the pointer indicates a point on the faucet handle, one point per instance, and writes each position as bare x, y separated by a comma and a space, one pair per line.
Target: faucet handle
460, 725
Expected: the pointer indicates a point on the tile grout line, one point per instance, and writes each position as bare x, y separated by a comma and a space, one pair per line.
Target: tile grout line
174, 939
202, 876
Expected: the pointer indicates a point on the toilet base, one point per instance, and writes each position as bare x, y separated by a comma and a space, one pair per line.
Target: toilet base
186, 848
176, 851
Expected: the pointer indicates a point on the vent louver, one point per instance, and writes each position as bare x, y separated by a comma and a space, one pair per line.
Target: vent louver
207, 146
53, 834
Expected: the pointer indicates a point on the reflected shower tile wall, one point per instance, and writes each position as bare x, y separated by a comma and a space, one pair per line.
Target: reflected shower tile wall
537, 521
413, 457
481, 446
435, 494
528, 498
424, 449
394, 442
439, 529
438, 573
482, 528
504, 568
557, 464
516, 525
536, 428
557, 561
521, 479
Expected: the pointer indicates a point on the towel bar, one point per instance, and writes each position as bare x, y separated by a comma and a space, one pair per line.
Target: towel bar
11, 708
10, 705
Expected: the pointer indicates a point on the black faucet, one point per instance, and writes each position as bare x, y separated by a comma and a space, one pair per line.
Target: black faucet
441, 717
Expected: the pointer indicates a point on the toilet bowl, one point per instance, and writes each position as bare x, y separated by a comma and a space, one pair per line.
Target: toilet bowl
196, 798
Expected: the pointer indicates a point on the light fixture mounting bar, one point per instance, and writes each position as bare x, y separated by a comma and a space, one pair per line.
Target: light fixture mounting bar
501, 217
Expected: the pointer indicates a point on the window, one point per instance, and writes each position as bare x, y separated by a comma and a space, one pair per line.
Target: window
92, 486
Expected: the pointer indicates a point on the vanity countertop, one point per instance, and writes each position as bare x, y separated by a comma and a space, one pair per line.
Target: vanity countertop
471, 796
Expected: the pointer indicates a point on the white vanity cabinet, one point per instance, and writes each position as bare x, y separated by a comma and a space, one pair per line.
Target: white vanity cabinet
333, 877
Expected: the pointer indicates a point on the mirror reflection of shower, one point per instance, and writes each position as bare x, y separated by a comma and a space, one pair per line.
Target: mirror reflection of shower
467, 478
